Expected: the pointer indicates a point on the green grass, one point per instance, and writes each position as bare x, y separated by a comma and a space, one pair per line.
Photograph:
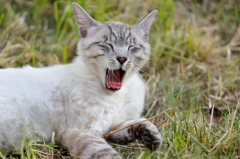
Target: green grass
194, 65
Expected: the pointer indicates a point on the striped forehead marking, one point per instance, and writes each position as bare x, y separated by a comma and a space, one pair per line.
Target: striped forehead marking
119, 33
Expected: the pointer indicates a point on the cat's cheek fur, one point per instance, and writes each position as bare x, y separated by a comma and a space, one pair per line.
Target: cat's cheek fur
141, 58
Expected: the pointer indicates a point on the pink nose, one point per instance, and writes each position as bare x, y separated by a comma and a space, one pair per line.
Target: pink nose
121, 59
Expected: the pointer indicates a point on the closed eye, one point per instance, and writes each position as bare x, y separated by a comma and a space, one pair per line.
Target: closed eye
110, 45
105, 47
134, 49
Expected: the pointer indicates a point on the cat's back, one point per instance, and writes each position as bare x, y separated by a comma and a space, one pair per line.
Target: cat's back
27, 73
27, 86
27, 78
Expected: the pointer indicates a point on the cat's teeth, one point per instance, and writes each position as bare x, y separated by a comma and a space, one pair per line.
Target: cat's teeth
116, 88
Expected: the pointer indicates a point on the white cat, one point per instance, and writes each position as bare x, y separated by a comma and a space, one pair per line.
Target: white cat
99, 92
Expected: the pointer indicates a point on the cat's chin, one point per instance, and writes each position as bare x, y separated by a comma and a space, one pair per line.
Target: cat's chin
114, 79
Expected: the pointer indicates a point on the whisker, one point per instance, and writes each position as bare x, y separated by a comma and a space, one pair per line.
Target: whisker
139, 73
113, 74
105, 76
154, 67
152, 76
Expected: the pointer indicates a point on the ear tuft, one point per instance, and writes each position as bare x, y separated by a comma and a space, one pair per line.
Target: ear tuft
85, 21
146, 22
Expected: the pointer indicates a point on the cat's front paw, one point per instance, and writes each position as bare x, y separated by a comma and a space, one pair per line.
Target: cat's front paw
149, 135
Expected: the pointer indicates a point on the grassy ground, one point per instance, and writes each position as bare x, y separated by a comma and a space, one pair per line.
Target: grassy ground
194, 66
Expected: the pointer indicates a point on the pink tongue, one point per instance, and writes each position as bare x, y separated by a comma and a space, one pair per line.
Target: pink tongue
114, 85
113, 79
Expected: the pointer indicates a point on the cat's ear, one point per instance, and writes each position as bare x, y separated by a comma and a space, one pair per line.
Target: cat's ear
85, 21
145, 23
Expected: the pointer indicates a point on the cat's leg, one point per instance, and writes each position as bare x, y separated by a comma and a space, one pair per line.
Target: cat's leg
85, 144
144, 131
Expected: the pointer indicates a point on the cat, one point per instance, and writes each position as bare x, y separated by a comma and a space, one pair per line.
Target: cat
100, 91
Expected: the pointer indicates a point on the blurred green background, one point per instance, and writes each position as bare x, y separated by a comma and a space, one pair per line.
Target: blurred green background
192, 29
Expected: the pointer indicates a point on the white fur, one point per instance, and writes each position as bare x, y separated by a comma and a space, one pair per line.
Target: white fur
59, 97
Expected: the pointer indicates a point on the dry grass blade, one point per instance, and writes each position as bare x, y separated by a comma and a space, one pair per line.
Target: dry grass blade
149, 119
41, 153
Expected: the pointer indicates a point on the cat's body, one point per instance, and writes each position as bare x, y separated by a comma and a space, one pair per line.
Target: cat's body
100, 91
49, 96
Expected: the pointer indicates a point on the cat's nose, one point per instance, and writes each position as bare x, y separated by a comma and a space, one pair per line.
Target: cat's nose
121, 59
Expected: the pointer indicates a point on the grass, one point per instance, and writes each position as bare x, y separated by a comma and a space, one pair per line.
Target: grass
194, 67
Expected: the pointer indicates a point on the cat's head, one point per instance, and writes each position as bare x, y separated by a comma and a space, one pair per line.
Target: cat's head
113, 50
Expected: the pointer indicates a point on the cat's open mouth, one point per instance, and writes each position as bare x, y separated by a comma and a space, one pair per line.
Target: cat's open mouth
114, 79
